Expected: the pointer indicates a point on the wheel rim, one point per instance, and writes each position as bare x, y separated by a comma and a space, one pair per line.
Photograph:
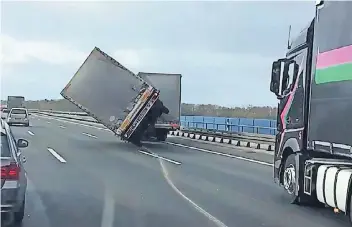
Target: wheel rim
290, 179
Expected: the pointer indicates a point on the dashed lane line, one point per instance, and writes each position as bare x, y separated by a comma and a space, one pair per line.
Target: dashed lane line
56, 155
30, 133
89, 135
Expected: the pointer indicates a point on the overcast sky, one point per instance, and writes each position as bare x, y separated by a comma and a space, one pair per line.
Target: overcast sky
224, 50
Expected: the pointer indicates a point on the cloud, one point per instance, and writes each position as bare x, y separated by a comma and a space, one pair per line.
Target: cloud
15, 51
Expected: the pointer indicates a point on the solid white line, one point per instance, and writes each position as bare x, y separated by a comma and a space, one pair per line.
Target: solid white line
108, 210
56, 155
61, 126
159, 157
198, 208
222, 154
87, 134
30, 133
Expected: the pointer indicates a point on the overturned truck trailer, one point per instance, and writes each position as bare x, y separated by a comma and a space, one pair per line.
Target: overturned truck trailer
114, 96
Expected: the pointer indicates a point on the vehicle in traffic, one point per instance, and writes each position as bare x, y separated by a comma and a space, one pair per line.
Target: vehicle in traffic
4, 113
15, 102
313, 148
13, 177
114, 96
170, 94
18, 116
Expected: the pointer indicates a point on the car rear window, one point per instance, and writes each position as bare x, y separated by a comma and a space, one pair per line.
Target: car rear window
4, 146
16, 111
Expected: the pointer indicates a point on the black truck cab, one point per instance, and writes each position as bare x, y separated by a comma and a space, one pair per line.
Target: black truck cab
293, 97
313, 84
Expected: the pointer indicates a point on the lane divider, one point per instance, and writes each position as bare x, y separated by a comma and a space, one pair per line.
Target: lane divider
159, 157
56, 155
30, 133
89, 135
165, 172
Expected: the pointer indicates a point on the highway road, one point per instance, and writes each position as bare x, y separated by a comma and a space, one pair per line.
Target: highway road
82, 175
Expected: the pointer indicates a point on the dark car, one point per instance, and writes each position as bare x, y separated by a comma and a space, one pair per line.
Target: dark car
13, 176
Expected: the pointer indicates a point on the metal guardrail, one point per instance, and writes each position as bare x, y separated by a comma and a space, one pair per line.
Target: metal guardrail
238, 138
231, 128
216, 127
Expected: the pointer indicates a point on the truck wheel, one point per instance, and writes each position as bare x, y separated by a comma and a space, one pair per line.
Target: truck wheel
161, 135
289, 179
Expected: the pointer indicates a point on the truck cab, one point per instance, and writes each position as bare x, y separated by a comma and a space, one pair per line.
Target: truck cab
313, 84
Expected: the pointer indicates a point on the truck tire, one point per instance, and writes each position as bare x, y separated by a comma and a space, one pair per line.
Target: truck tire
161, 135
289, 179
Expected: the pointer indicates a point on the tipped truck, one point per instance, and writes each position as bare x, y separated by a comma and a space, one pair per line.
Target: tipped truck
114, 96
170, 95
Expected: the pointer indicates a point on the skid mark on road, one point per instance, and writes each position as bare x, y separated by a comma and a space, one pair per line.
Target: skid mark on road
197, 207
221, 154
56, 155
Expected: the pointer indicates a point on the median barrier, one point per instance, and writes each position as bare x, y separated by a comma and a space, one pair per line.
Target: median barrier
238, 140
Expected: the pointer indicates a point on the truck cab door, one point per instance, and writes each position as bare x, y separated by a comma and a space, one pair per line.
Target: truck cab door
290, 118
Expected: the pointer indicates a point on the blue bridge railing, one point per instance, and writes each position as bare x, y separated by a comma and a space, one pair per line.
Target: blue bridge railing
249, 125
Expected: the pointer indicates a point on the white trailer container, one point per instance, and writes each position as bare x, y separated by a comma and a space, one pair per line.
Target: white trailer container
170, 94
114, 96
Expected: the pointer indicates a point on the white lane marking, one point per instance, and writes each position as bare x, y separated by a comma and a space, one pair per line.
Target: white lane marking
90, 135
56, 155
30, 133
197, 207
108, 210
159, 157
75, 123
61, 126
222, 154
48, 122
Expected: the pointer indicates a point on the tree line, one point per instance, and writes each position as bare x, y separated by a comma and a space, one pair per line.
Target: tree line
187, 109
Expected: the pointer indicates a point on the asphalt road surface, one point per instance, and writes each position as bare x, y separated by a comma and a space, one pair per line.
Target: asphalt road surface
83, 175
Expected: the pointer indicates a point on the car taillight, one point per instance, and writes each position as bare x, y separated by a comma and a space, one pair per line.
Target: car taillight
10, 172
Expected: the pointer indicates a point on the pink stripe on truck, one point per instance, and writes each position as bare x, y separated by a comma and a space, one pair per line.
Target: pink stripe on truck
334, 57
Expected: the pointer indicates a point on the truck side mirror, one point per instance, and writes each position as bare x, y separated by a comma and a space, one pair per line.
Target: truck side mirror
275, 77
